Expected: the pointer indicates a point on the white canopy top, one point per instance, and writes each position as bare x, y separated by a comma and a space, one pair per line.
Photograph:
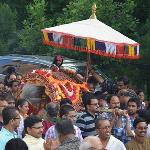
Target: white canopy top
92, 28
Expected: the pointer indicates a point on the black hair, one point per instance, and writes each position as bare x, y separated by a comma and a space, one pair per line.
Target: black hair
10, 83
65, 101
99, 95
18, 74
1, 82
139, 91
30, 121
138, 120
110, 97
9, 96
65, 127
52, 109
6, 79
20, 103
3, 96
124, 79
86, 98
65, 109
8, 114
16, 144
98, 120
143, 113
55, 60
11, 70
92, 80
135, 100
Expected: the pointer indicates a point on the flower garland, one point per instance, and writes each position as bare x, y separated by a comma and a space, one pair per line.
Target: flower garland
57, 84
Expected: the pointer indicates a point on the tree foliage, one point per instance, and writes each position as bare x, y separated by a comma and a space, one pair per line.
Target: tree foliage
31, 36
7, 27
118, 15
130, 17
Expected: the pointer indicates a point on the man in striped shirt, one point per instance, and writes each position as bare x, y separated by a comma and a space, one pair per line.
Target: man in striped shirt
86, 121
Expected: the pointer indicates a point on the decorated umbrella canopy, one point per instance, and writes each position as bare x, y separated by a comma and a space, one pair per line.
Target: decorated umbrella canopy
92, 36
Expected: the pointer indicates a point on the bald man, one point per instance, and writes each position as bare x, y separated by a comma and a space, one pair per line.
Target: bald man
91, 142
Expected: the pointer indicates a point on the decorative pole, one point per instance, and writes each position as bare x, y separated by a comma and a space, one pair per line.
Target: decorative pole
93, 16
88, 67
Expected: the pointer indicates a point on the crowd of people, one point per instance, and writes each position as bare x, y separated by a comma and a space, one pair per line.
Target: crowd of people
107, 121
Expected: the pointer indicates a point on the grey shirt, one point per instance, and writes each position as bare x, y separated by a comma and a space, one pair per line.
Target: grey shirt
70, 144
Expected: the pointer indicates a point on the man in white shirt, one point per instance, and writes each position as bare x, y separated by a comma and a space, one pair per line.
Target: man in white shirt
34, 129
33, 138
109, 142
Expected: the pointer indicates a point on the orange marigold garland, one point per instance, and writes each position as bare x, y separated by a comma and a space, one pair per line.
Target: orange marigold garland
58, 84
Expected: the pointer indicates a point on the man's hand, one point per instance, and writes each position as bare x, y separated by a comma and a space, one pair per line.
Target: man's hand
50, 144
125, 113
118, 112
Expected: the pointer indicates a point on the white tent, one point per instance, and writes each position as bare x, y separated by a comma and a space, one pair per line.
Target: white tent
92, 36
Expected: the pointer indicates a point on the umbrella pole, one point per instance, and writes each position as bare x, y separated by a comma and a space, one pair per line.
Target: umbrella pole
88, 64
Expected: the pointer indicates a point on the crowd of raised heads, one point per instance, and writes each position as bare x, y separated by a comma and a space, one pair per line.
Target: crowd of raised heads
112, 117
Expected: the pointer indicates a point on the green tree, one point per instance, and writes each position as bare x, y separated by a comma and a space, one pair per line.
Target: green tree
7, 28
19, 6
31, 35
145, 56
118, 15
142, 10
54, 9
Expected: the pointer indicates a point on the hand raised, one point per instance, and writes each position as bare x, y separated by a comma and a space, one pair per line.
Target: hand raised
50, 144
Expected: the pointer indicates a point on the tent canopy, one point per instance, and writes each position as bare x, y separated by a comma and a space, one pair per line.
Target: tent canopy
92, 36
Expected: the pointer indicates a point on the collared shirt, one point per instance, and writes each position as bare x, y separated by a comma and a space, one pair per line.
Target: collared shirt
5, 136
114, 144
69, 144
34, 143
120, 133
21, 127
86, 123
142, 106
52, 133
135, 145
106, 115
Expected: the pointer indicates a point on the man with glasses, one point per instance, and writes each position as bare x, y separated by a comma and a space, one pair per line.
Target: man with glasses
33, 128
140, 141
103, 129
11, 120
86, 121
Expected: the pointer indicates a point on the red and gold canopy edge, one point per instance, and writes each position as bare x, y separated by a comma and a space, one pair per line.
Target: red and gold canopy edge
91, 36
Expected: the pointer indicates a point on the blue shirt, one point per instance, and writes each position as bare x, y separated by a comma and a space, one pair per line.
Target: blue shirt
5, 136
120, 133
